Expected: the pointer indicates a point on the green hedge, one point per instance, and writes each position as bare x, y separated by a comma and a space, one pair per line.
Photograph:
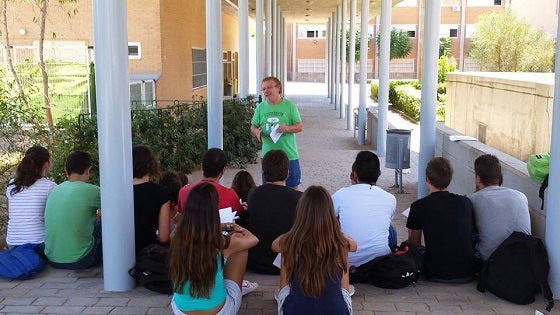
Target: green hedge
405, 96
177, 135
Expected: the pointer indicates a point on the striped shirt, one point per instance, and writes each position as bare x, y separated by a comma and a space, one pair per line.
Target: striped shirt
26, 209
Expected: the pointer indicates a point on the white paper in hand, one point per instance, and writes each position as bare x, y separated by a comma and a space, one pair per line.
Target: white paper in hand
406, 212
278, 260
226, 215
274, 134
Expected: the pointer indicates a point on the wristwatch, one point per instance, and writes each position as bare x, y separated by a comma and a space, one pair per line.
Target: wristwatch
229, 227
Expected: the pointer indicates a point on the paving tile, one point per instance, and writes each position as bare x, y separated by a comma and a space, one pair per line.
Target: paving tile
160, 311
105, 301
22, 309
152, 301
99, 310
18, 300
63, 309
129, 310
49, 301
81, 301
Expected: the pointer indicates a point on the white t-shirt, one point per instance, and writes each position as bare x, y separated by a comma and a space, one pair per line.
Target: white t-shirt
26, 209
365, 213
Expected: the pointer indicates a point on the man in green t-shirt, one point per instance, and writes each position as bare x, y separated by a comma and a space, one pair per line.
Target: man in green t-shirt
72, 225
275, 123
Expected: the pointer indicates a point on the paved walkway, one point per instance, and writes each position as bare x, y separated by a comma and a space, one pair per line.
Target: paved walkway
327, 151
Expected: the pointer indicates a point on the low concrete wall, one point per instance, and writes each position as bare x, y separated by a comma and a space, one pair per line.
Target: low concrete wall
511, 111
462, 154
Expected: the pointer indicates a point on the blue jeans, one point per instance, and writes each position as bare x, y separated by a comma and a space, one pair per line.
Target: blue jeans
92, 259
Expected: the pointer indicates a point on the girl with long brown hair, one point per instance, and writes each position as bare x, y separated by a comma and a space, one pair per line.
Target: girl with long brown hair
27, 195
207, 267
314, 265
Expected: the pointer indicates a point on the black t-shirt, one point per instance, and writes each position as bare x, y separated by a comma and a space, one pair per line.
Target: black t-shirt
446, 222
271, 213
148, 199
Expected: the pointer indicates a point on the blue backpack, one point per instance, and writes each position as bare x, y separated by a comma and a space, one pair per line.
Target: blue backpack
21, 262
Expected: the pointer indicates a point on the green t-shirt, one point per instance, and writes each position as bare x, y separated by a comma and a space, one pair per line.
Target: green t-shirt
70, 214
266, 116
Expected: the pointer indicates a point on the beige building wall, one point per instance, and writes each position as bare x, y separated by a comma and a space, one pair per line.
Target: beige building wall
508, 111
167, 30
543, 16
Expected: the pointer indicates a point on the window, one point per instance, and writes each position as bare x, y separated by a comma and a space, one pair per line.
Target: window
312, 34
497, 2
311, 31
199, 67
411, 33
410, 29
142, 94
134, 50
453, 32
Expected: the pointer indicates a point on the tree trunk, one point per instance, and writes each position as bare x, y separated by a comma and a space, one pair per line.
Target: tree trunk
22, 94
46, 97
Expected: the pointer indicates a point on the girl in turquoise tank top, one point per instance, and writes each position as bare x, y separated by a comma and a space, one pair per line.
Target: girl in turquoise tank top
207, 267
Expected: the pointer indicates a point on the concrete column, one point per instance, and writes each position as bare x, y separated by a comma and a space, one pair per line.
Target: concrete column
337, 58
243, 18
259, 43
274, 38
429, 92
332, 75
342, 107
268, 40
351, 64
328, 58
115, 142
463, 29
552, 237
215, 88
283, 50
364, 91
384, 60
294, 50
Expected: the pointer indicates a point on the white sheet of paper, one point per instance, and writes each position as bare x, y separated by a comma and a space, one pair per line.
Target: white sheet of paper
278, 260
406, 212
274, 134
226, 215
462, 138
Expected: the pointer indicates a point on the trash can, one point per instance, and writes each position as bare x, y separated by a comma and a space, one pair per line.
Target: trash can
398, 153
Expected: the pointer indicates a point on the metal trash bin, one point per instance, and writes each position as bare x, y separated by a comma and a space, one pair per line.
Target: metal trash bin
398, 153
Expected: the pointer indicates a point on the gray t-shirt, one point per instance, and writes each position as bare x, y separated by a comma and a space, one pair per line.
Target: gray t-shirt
499, 211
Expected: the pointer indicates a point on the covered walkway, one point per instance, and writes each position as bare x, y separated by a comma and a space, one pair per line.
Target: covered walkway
327, 151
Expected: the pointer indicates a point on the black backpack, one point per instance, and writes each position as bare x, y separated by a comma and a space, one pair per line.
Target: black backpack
392, 271
517, 270
150, 270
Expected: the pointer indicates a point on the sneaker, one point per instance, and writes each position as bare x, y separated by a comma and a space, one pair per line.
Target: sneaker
248, 287
352, 290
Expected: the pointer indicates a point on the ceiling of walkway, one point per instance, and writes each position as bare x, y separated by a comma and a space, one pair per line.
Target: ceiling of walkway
315, 11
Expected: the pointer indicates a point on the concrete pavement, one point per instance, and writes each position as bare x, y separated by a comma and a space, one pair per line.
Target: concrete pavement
327, 151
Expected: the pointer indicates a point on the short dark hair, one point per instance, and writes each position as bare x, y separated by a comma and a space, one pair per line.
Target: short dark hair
213, 162
144, 162
439, 171
488, 168
172, 182
367, 167
275, 166
77, 162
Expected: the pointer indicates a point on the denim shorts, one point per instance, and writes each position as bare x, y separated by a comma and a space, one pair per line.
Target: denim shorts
294, 174
232, 304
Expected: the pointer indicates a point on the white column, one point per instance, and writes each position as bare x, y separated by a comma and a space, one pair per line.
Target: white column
274, 53
342, 107
552, 237
115, 142
328, 59
364, 91
215, 88
243, 17
268, 40
259, 43
332, 75
384, 60
294, 50
463, 28
351, 64
429, 92
337, 59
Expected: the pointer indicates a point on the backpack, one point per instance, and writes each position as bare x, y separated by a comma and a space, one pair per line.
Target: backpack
392, 271
538, 167
516, 270
21, 262
150, 270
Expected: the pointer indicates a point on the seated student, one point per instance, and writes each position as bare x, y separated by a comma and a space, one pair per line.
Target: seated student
72, 225
27, 194
152, 207
445, 219
314, 264
271, 211
498, 211
365, 210
206, 267
242, 183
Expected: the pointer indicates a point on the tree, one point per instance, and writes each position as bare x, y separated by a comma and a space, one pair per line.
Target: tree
504, 42
444, 46
400, 44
